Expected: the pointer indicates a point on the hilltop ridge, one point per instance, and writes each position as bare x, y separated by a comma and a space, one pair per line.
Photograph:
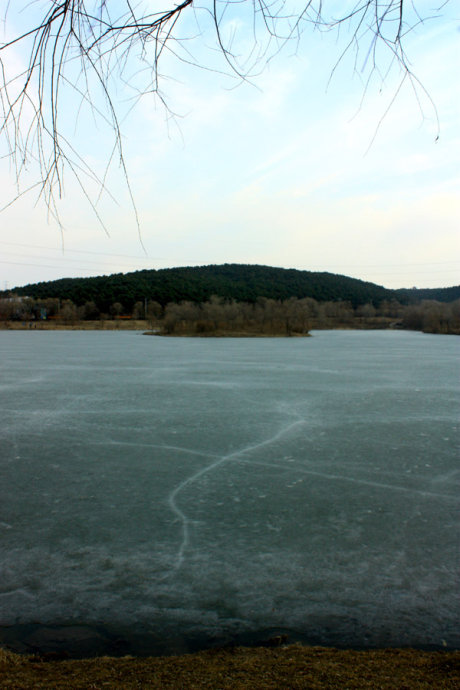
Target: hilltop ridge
239, 282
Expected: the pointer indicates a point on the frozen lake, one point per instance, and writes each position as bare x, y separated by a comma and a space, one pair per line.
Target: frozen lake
161, 494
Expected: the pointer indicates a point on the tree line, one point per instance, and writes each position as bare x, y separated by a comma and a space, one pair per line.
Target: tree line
220, 316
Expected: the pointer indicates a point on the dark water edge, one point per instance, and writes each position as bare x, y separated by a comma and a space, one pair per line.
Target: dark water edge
81, 640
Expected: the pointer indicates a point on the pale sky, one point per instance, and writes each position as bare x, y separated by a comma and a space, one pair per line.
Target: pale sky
291, 169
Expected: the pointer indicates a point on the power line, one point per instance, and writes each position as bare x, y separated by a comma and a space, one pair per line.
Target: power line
56, 268
81, 251
420, 263
55, 258
401, 273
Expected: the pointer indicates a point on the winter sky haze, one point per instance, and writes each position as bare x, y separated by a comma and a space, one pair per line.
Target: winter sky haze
294, 168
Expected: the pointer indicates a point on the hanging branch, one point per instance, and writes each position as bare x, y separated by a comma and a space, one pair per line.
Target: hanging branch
84, 42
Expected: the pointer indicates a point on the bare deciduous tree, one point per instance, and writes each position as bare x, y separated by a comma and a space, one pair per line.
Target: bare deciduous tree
88, 46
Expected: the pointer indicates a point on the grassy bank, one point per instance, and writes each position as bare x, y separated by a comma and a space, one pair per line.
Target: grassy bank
239, 668
99, 325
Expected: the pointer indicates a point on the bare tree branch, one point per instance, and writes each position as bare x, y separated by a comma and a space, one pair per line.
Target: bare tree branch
87, 45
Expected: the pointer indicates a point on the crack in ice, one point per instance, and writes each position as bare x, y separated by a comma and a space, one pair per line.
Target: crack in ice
204, 470
353, 480
159, 446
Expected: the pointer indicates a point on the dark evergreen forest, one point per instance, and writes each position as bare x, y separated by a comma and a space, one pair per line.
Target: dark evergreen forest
238, 282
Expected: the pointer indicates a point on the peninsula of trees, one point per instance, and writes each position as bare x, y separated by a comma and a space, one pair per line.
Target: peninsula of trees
232, 299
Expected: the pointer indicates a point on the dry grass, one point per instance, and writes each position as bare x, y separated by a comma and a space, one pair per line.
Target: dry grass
100, 325
290, 667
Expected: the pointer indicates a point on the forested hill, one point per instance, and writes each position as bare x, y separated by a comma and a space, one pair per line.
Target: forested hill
243, 283
240, 282
414, 295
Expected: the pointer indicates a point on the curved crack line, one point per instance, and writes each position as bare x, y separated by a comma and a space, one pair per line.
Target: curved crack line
204, 470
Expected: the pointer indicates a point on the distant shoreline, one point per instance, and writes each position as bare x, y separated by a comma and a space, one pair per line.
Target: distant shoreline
148, 329
100, 325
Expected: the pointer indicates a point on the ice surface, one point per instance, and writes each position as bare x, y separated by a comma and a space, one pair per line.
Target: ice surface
215, 488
